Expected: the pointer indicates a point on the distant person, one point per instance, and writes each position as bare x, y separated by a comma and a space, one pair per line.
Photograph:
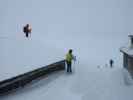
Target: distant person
27, 30
69, 58
111, 63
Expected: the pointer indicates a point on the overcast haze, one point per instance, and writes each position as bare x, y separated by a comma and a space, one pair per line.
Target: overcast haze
72, 17
94, 29
68, 22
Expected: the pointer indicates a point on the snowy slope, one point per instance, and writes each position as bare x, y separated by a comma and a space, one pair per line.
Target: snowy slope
101, 84
95, 29
87, 80
19, 55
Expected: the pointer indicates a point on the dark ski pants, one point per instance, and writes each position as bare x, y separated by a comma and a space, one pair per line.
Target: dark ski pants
69, 66
111, 65
27, 34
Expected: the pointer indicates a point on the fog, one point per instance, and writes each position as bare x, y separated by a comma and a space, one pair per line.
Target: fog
94, 29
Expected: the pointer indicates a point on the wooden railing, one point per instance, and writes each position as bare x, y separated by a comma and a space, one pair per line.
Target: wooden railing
23, 79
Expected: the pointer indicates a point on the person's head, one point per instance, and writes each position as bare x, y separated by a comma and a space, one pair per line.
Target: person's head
27, 25
70, 51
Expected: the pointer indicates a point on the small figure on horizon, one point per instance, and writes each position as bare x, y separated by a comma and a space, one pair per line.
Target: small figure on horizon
69, 58
111, 63
98, 66
27, 30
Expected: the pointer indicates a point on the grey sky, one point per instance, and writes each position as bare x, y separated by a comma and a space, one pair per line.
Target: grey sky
72, 17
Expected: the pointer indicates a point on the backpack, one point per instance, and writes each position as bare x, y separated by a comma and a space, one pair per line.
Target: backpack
24, 29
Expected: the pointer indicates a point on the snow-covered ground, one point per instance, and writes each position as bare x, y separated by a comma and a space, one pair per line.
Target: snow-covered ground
91, 78
94, 29
19, 55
